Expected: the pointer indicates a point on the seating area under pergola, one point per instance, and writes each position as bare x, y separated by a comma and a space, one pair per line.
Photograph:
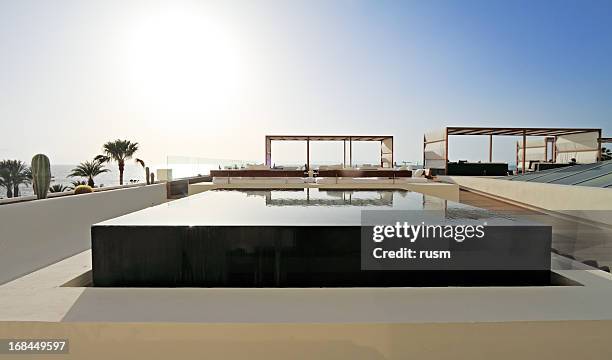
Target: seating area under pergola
564, 141
386, 146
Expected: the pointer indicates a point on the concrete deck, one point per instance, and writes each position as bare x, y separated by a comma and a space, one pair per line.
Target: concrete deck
40, 296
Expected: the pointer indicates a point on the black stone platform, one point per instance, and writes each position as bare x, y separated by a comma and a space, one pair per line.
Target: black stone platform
268, 239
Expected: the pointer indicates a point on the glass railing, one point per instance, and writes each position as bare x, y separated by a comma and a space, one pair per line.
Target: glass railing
189, 166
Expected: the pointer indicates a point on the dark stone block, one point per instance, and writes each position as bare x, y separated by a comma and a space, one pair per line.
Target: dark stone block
181, 256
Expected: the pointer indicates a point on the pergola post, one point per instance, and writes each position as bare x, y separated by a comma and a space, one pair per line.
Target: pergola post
268, 156
599, 155
491, 148
517, 159
350, 151
424, 146
524, 148
393, 153
344, 153
446, 152
308, 153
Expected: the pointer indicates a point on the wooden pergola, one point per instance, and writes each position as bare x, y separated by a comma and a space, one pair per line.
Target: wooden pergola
386, 145
550, 134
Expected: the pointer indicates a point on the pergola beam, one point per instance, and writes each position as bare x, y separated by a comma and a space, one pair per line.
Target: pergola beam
511, 132
328, 137
463, 130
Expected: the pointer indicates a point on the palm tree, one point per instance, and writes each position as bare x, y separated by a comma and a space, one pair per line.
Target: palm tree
119, 151
13, 174
22, 175
146, 169
58, 188
606, 154
5, 179
89, 170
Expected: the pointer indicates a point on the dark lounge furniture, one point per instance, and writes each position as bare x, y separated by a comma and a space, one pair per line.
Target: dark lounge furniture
365, 173
257, 173
546, 165
477, 169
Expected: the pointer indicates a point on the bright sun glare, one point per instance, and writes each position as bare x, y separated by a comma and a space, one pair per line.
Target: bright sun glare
182, 62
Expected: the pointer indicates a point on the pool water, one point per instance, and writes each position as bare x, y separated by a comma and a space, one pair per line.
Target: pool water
307, 207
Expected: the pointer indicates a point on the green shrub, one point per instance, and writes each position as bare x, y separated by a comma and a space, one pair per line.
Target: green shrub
83, 189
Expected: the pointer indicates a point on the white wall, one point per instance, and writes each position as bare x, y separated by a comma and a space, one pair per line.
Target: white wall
34, 234
586, 202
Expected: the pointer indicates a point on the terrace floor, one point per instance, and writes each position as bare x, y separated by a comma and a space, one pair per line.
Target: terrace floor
44, 296
553, 322
485, 202
584, 241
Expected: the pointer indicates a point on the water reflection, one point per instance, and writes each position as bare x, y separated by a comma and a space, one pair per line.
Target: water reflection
391, 199
329, 198
306, 207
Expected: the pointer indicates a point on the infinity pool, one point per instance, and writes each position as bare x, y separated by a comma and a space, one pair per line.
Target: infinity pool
273, 238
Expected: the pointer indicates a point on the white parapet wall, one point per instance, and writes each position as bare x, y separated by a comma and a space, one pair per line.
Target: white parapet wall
34, 234
585, 202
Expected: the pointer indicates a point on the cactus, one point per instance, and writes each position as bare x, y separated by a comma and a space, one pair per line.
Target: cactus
41, 175
83, 189
147, 175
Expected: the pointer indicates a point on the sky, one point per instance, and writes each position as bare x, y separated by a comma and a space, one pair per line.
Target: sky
211, 78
